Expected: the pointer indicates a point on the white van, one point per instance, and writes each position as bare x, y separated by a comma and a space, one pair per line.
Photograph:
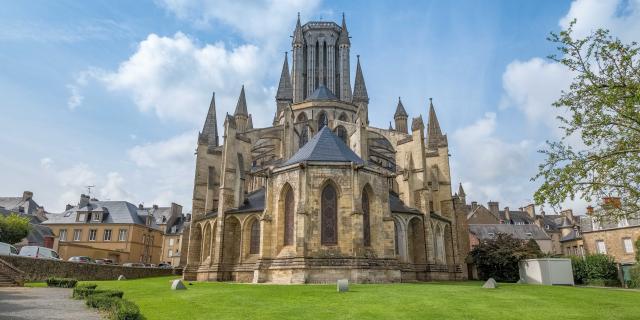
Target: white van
39, 253
7, 249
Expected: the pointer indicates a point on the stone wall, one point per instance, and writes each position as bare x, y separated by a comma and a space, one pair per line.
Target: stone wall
41, 269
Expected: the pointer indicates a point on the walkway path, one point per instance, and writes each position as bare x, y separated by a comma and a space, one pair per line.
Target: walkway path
42, 303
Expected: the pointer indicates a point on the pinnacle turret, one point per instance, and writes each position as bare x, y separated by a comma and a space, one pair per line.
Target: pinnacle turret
249, 123
241, 106
285, 90
400, 111
461, 191
344, 34
359, 88
298, 38
209, 132
435, 138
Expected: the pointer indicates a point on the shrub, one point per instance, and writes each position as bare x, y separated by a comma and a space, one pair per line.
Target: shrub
61, 282
117, 308
498, 257
635, 276
595, 270
127, 310
85, 292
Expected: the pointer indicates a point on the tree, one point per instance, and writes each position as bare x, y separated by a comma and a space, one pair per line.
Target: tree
13, 228
601, 109
498, 257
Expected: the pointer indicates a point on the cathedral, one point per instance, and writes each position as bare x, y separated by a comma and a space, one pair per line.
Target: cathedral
321, 195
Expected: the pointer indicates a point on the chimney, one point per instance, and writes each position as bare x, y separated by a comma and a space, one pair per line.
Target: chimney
68, 207
140, 206
589, 210
494, 208
188, 216
84, 200
27, 195
474, 205
568, 213
531, 210
507, 215
612, 202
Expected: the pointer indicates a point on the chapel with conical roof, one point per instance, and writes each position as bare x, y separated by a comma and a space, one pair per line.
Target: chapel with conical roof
322, 195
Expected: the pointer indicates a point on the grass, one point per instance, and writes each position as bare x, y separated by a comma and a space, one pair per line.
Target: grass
436, 300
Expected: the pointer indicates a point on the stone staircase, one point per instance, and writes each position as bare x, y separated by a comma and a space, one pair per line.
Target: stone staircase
6, 281
9, 275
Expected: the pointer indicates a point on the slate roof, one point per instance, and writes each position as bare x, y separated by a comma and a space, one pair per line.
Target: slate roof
38, 231
322, 93
325, 146
117, 212
573, 235
396, 205
254, 201
553, 221
521, 231
14, 204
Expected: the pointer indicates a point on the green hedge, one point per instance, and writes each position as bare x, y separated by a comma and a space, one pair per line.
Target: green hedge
61, 282
109, 301
595, 269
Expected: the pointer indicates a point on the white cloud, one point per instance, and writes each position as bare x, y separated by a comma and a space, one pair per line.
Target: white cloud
263, 21
113, 188
621, 17
175, 151
46, 163
493, 169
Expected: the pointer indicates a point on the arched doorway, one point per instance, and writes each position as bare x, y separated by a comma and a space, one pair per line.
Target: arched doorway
415, 241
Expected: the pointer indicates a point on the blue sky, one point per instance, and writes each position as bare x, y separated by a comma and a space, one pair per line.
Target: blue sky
112, 93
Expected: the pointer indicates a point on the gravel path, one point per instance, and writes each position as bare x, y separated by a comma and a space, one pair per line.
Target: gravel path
42, 303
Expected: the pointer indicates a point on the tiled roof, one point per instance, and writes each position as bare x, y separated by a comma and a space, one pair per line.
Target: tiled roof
325, 146
322, 93
116, 212
254, 201
522, 231
396, 205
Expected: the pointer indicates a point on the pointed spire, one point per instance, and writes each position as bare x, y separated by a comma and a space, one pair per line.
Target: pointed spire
210, 129
249, 123
241, 107
297, 34
285, 89
461, 191
344, 34
390, 126
359, 88
435, 138
400, 111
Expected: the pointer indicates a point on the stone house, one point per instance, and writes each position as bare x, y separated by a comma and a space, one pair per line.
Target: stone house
39, 235
479, 232
116, 230
172, 222
320, 194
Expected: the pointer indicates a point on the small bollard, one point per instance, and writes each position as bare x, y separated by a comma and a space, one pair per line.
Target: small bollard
343, 285
178, 285
121, 277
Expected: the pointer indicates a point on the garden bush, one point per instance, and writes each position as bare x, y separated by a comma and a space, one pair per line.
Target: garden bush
596, 270
61, 282
109, 301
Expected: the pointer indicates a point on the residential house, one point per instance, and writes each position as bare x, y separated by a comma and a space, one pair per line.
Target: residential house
39, 235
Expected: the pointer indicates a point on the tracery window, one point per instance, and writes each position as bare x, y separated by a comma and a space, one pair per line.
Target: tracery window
366, 223
288, 217
329, 208
254, 243
322, 120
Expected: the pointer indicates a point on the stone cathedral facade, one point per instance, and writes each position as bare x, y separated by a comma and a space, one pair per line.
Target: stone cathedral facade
321, 195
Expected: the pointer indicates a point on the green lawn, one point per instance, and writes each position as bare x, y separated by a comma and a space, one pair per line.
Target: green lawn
443, 300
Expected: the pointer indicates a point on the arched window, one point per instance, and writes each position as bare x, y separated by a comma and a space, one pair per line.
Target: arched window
366, 223
341, 132
396, 237
322, 120
254, 243
329, 208
288, 217
304, 135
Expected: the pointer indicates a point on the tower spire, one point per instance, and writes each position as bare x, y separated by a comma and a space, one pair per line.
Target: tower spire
241, 106
285, 90
400, 111
359, 88
435, 138
461, 191
344, 34
297, 33
209, 132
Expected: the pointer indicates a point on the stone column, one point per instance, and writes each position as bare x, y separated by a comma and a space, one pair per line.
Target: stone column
323, 63
331, 71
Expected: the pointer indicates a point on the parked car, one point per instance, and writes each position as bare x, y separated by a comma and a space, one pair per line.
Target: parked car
133, 264
164, 265
7, 249
150, 265
104, 261
82, 259
39, 253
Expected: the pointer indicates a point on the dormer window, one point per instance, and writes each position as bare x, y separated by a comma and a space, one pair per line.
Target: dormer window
529, 234
82, 217
96, 217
